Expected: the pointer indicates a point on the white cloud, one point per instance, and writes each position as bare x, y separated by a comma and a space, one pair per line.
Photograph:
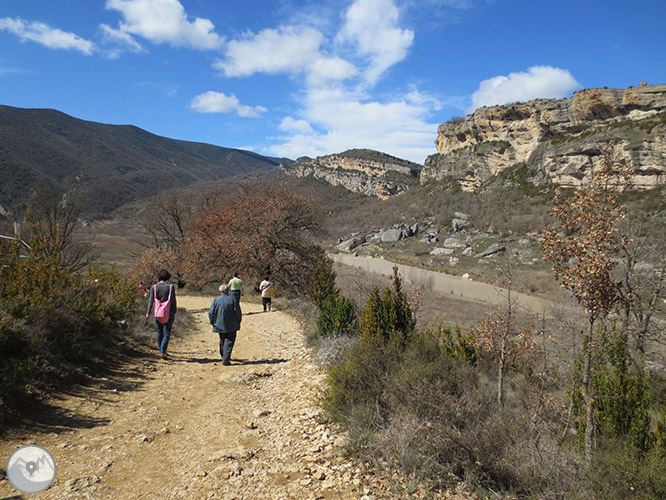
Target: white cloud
218, 102
287, 50
335, 120
324, 69
290, 124
49, 37
121, 40
371, 25
419, 98
537, 82
165, 21
290, 50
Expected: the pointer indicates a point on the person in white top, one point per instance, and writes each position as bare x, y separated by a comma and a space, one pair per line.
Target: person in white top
266, 289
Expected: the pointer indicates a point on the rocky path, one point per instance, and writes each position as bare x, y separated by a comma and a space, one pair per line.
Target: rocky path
191, 428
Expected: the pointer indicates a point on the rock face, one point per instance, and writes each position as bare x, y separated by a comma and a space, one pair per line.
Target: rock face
557, 140
360, 170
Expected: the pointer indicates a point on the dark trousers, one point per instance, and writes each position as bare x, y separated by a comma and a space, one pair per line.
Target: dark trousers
226, 345
266, 302
236, 295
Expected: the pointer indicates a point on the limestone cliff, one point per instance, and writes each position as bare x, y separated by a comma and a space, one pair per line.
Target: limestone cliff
559, 140
360, 170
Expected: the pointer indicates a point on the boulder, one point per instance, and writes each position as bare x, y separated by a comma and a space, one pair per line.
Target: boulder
492, 250
454, 243
351, 243
459, 224
392, 235
441, 251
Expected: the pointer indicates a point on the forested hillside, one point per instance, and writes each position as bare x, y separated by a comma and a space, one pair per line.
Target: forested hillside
109, 165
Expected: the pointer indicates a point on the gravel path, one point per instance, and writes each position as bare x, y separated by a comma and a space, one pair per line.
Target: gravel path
191, 428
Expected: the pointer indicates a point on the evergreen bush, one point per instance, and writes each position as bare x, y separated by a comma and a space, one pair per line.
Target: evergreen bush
336, 316
53, 319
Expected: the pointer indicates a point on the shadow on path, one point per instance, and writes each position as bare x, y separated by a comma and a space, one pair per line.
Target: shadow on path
260, 312
258, 361
127, 368
202, 361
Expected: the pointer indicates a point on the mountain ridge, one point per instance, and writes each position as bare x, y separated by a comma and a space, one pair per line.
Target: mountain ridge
109, 165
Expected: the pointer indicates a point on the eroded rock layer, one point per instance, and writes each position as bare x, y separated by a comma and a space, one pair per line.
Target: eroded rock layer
363, 171
560, 140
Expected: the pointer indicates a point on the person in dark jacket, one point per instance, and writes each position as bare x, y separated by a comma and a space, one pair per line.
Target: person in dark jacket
164, 291
225, 315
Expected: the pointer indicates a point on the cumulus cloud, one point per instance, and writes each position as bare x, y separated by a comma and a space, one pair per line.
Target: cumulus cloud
325, 69
285, 50
49, 37
121, 41
218, 102
537, 82
372, 26
165, 21
292, 125
334, 120
289, 50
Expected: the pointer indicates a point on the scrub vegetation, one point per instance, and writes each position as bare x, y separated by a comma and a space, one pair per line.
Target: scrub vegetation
569, 405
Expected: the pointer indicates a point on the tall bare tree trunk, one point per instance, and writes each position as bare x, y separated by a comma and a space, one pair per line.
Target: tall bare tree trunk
587, 395
500, 374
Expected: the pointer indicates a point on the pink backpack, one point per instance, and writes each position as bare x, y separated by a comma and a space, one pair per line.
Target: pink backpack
162, 309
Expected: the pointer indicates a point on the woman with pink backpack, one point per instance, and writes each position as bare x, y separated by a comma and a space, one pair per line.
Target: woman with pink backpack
162, 298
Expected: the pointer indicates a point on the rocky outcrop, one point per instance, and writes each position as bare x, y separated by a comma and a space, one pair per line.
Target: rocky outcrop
360, 170
558, 140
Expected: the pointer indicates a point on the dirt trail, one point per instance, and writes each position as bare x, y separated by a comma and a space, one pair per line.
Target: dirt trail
192, 428
445, 283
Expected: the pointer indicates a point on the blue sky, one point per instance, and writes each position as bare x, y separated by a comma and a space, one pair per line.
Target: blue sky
292, 78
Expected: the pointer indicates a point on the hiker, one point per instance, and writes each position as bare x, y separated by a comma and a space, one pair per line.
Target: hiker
225, 315
236, 287
162, 298
266, 289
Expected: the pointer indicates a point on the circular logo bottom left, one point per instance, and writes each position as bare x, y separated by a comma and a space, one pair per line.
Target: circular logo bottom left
31, 469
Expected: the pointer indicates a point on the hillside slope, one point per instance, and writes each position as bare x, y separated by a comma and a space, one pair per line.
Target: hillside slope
109, 165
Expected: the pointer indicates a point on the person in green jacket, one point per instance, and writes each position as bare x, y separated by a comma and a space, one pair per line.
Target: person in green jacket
236, 287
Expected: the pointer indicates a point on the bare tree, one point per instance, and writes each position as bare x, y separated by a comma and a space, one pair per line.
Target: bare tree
166, 219
642, 268
581, 249
53, 218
